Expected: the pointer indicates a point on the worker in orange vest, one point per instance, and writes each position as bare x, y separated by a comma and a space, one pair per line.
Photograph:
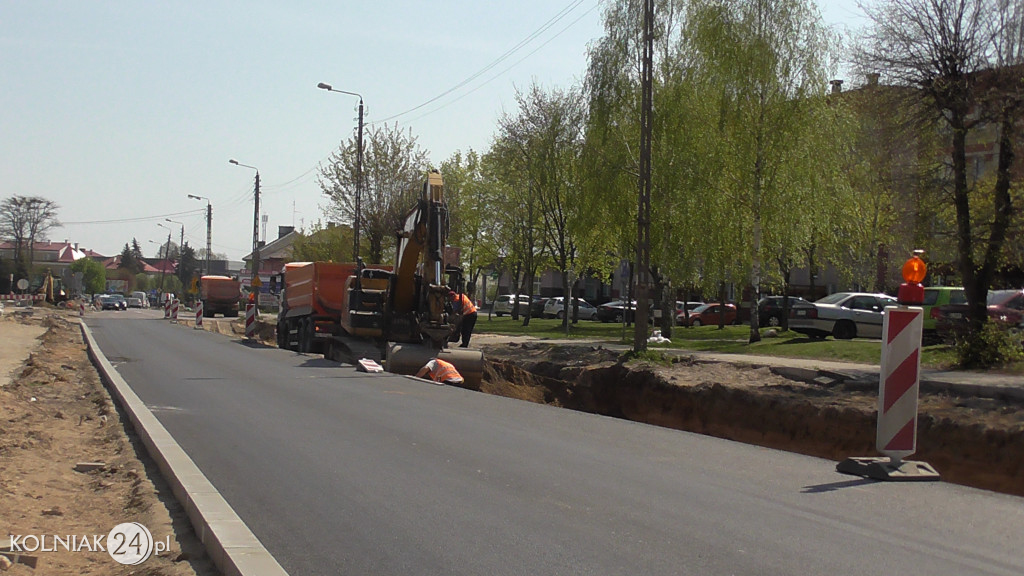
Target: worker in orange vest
440, 371
462, 303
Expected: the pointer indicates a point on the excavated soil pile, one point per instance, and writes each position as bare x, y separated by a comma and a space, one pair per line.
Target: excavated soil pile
973, 441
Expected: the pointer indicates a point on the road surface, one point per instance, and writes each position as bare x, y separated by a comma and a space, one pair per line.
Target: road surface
338, 472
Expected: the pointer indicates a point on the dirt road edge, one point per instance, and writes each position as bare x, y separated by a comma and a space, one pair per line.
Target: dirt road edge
231, 545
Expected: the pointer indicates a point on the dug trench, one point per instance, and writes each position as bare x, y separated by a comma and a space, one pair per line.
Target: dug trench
972, 441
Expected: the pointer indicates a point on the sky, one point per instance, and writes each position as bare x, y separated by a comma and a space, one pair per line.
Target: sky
118, 110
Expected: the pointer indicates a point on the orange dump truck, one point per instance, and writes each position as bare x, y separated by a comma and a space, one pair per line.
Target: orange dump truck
311, 303
220, 294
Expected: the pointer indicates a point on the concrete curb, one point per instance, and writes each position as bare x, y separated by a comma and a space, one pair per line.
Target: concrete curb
231, 545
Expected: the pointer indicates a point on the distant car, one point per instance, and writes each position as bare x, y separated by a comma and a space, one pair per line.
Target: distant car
134, 302
709, 315
1004, 306
109, 303
553, 308
121, 301
934, 298
843, 315
770, 312
537, 307
616, 311
688, 306
504, 304
143, 299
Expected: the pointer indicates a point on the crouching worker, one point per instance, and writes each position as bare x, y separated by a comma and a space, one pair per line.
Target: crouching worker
440, 371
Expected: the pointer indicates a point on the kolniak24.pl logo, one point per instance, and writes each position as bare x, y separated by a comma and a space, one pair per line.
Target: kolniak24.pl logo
128, 543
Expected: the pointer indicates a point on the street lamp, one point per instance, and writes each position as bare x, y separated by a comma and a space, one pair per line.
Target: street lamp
209, 224
181, 239
255, 283
359, 167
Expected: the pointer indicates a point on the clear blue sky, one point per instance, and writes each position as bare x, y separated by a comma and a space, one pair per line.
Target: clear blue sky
117, 110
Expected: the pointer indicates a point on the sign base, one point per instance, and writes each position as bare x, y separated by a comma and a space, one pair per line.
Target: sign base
881, 468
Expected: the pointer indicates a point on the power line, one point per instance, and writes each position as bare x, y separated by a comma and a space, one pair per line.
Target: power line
543, 28
139, 219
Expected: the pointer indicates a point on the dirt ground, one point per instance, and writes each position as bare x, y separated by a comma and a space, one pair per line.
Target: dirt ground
54, 414
973, 441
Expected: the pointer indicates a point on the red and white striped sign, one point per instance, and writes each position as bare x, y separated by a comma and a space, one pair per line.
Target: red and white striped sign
167, 309
199, 315
250, 320
33, 297
174, 310
899, 380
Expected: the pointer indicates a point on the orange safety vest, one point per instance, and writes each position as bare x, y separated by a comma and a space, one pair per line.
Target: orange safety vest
441, 371
467, 304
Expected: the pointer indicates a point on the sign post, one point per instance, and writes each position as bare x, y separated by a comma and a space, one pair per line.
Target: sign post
899, 379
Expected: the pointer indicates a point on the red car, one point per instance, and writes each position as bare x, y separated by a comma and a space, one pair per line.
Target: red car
708, 315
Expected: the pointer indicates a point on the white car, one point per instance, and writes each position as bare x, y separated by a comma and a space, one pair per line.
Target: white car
504, 304
553, 308
844, 315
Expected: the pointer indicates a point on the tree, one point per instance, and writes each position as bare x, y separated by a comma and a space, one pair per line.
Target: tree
25, 220
961, 60
471, 205
330, 243
188, 265
94, 276
143, 282
128, 260
393, 171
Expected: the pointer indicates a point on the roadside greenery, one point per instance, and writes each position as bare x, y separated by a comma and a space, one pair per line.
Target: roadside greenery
729, 340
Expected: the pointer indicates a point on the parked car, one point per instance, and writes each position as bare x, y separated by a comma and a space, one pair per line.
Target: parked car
134, 302
770, 312
844, 315
121, 301
934, 298
553, 308
616, 311
537, 307
109, 303
708, 315
504, 304
1006, 306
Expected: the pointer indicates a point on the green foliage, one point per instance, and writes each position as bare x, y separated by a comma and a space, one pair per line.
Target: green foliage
394, 166
94, 276
142, 282
188, 265
995, 345
330, 243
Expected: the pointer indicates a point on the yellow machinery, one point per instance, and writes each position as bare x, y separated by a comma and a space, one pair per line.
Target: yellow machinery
407, 309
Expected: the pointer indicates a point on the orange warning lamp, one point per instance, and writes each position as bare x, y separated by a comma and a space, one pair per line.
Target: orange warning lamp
911, 292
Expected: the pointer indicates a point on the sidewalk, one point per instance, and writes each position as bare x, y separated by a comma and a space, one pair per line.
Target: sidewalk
962, 383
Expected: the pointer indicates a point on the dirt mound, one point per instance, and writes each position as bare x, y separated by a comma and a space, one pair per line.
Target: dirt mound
972, 441
55, 414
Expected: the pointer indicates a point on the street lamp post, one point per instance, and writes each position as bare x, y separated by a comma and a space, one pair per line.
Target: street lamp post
181, 239
255, 225
209, 225
359, 167
167, 256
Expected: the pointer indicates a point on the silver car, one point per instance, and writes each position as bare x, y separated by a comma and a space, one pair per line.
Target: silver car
844, 315
505, 303
553, 308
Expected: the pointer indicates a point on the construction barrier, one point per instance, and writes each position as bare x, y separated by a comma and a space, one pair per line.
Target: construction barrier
81, 309
899, 381
250, 320
167, 309
174, 310
23, 297
199, 316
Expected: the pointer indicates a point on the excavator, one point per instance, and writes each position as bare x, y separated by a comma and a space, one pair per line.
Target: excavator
406, 310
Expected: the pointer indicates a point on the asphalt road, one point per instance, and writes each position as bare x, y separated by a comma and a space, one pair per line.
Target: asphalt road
338, 472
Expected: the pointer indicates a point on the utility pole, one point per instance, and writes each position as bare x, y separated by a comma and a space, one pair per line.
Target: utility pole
643, 219
359, 183
209, 228
256, 232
